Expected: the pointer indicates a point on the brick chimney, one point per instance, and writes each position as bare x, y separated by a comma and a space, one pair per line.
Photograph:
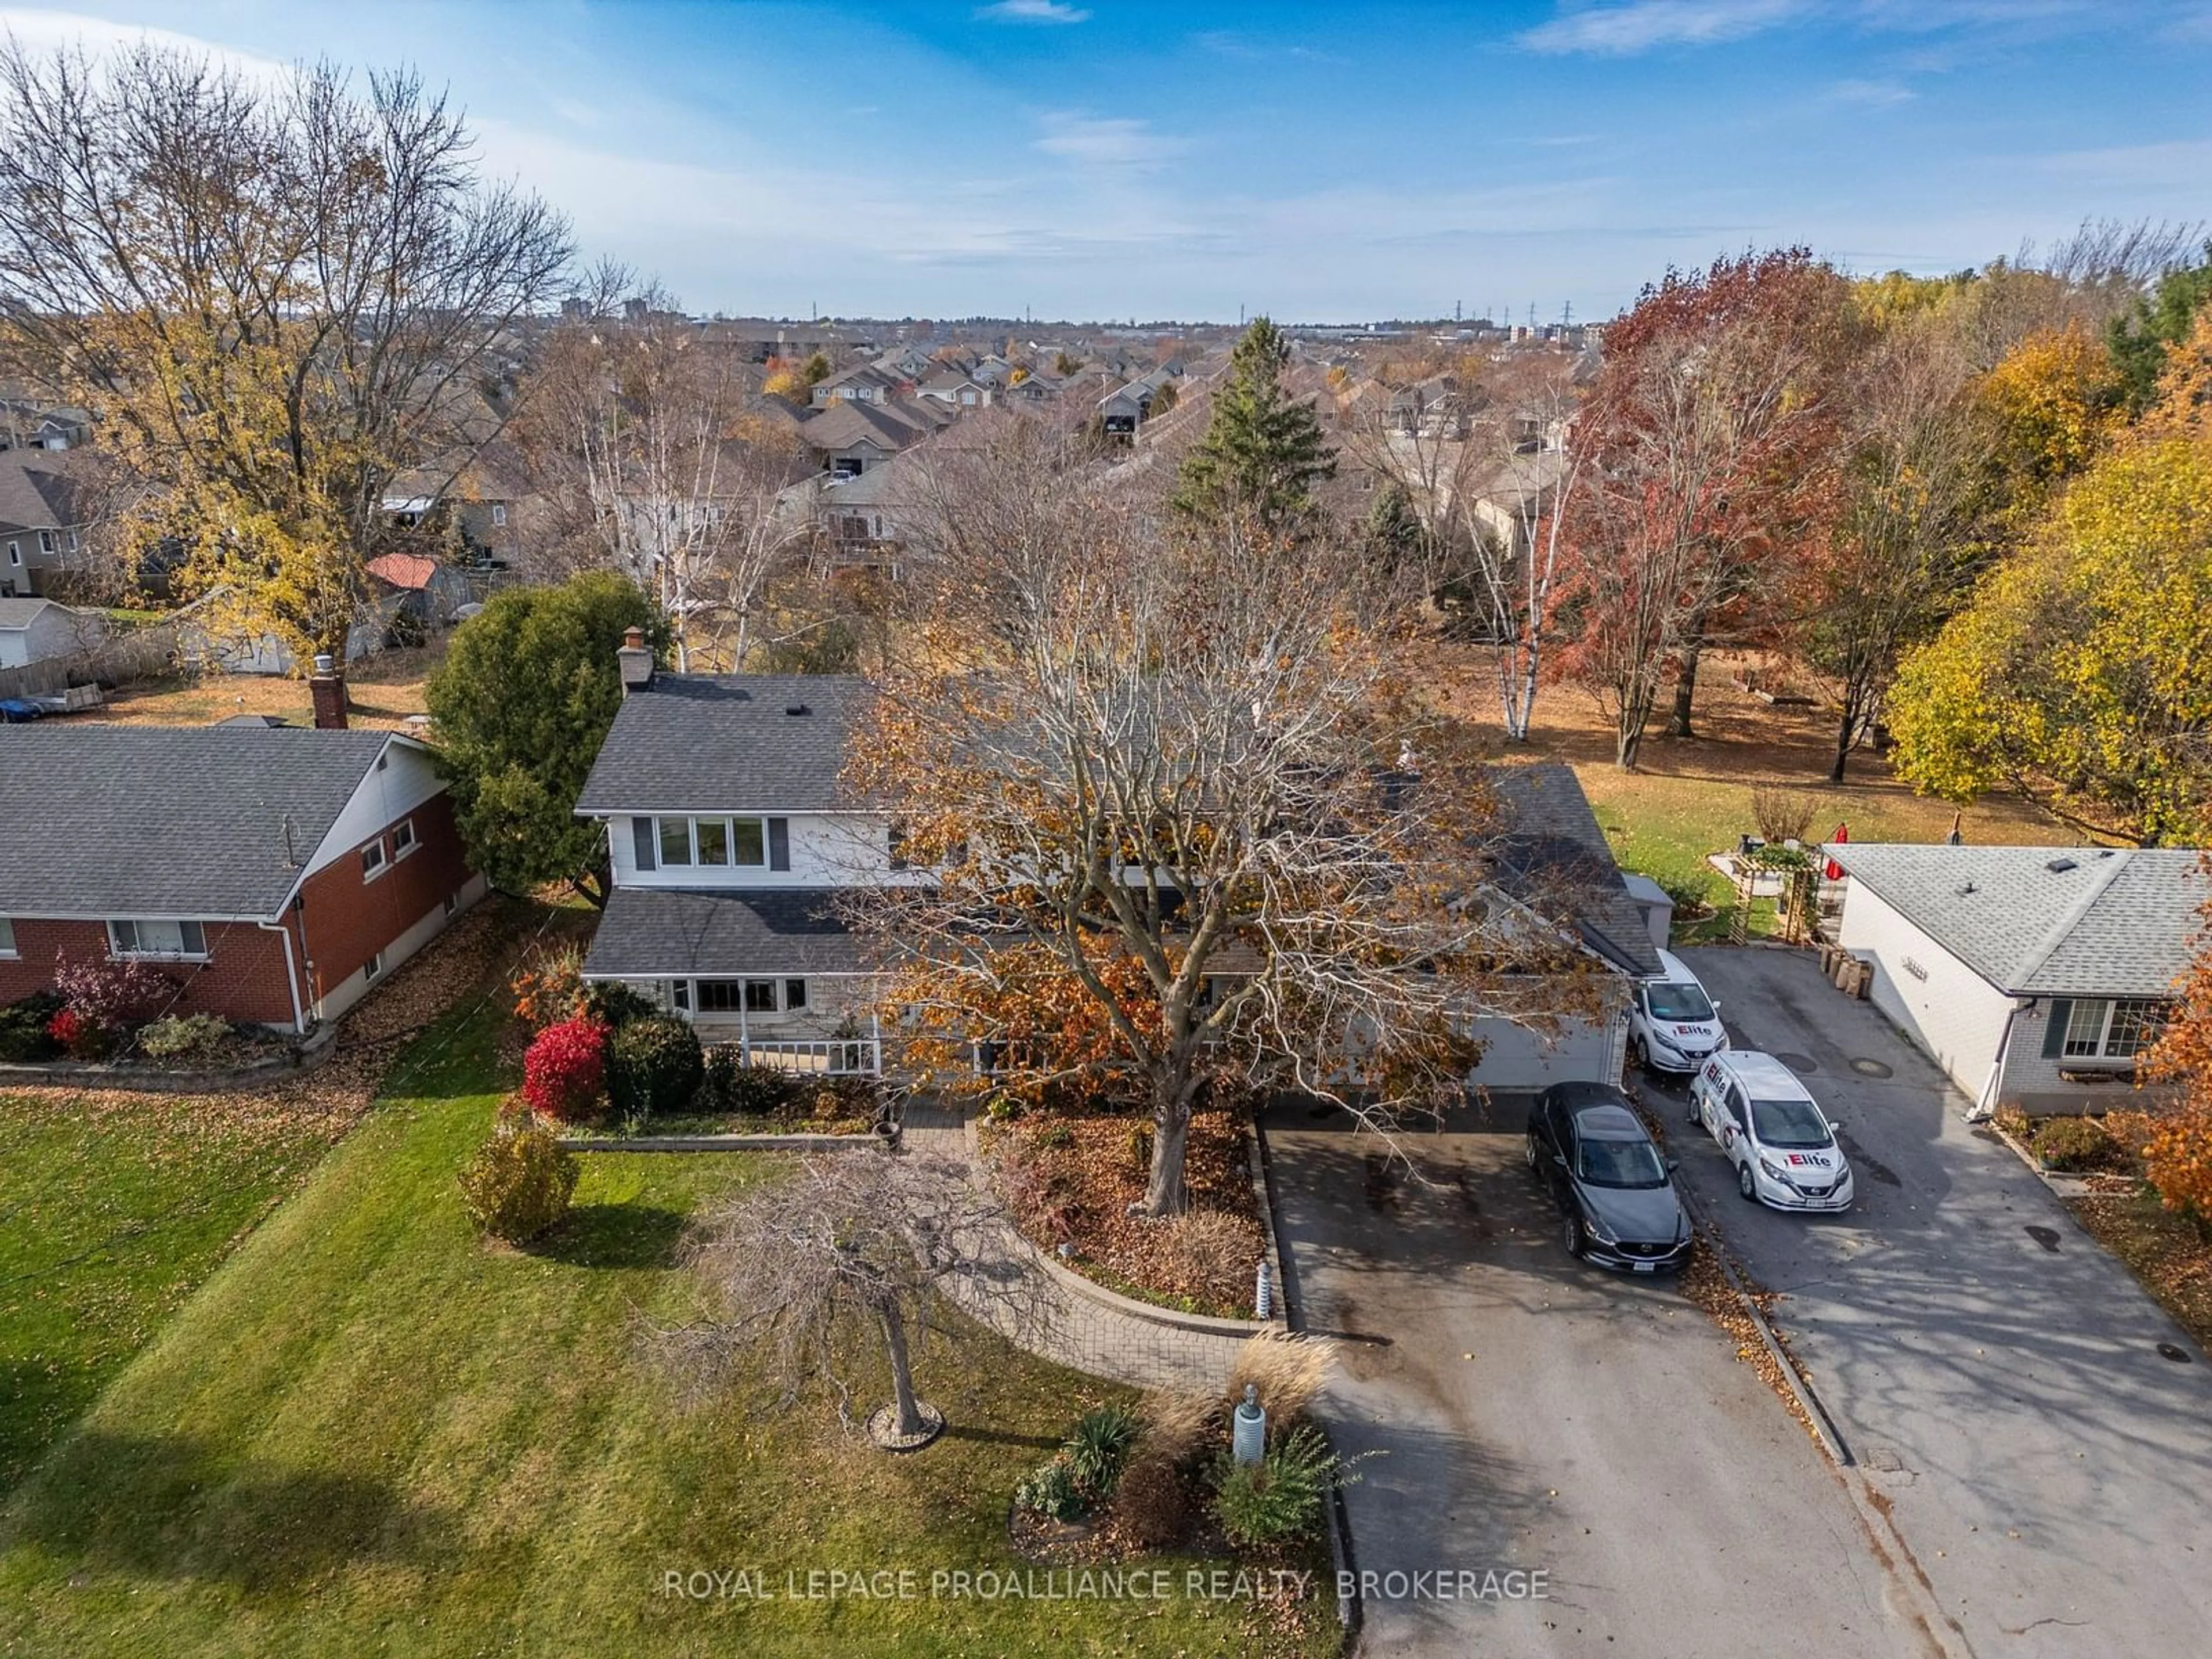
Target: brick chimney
636, 661
328, 689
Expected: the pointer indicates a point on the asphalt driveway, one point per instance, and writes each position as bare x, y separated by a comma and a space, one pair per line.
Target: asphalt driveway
1527, 1414
1996, 1375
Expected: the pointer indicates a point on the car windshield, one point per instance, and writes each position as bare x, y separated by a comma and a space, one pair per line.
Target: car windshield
1787, 1123
1683, 1002
1622, 1163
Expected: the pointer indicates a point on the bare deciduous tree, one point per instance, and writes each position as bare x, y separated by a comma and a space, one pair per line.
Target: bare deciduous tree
874, 1236
648, 435
1186, 821
1489, 487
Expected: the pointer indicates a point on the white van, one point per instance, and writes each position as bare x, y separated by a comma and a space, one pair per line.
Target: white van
1673, 1025
1782, 1143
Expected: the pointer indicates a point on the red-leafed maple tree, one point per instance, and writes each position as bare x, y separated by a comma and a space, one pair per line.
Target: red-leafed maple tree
1710, 448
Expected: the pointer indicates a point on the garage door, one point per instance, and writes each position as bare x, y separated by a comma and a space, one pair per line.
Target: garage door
1517, 1059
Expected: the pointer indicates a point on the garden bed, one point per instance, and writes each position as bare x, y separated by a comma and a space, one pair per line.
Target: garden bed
1069, 1182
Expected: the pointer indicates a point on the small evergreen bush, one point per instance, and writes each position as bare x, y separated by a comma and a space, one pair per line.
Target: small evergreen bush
185, 1036
519, 1183
614, 1005
2074, 1143
1052, 1491
1278, 1498
654, 1066
1099, 1450
758, 1091
24, 1038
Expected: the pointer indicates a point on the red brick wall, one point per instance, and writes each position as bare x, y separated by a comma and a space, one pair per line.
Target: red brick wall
243, 977
341, 922
348, 919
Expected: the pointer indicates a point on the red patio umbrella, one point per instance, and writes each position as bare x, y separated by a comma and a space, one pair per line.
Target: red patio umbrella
1843, 834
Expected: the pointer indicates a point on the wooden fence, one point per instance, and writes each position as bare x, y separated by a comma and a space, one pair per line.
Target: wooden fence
141, 654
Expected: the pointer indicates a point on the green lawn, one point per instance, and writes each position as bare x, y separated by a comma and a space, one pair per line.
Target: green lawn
368, 1433
111, 1215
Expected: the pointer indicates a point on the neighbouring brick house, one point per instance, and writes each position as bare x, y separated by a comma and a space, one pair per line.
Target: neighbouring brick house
278, 872
2035, 976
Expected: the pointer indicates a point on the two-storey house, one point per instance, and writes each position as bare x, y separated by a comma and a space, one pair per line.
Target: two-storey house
729, 845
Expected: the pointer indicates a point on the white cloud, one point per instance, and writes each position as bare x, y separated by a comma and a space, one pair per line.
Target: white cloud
1032, 11
1870, 95
1620, 31
1115, 142
43, 30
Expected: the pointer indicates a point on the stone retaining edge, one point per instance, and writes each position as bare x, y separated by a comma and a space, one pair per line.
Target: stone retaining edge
762, 1143
95, 1074
1090, 1290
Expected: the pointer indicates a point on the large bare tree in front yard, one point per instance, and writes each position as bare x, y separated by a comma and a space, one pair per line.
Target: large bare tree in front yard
1187, 821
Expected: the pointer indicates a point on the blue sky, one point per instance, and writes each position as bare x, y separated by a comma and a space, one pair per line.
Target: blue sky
1088, 158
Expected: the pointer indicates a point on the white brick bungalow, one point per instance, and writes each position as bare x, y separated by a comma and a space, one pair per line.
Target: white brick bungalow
2032, 975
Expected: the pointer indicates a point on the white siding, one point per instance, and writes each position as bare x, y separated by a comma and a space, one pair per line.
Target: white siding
407, 781
828, 849
1947, 1008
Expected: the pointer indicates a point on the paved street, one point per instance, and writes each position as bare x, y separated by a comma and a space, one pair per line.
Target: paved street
1534, 1414
1997, 1375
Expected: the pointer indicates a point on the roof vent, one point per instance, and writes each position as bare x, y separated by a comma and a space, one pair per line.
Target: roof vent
1968, 888
795, 708
2059, 867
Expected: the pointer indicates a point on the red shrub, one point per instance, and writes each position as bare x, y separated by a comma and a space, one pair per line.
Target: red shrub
80, 1035
564, 1072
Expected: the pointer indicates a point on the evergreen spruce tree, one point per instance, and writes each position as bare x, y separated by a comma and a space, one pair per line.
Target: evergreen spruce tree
1262, 453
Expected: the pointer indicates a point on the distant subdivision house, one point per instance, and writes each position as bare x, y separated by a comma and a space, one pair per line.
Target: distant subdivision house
276, 873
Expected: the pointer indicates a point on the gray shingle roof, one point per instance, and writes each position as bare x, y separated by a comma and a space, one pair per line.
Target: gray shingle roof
693, 744
1554, 858
21, 613
652, 933
104, 821
37, 489
2111, 922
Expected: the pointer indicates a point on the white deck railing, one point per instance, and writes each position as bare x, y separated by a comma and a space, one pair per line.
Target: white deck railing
815, 1056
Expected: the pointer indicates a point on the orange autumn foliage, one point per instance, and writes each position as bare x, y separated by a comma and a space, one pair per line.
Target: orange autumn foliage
2176, 1144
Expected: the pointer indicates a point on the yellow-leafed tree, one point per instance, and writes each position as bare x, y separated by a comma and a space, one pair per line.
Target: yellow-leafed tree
276, 296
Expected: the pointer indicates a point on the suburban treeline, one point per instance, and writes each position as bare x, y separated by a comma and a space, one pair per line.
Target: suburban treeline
1966, 510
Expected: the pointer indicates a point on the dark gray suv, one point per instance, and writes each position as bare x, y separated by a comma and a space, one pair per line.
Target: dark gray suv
1615, 1192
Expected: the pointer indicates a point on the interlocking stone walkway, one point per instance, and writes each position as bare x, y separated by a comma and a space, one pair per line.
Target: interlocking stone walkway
1054, 1319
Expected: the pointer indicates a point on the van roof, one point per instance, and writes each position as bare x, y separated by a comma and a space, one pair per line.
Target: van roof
1763, 1071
